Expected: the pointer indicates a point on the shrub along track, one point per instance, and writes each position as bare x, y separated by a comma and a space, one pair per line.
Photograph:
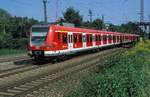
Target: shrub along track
50, 73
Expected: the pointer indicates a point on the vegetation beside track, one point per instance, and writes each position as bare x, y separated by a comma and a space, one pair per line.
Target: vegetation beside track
72, 81
129, 77
12, 52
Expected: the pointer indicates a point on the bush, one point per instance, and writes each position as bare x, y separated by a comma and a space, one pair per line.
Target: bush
129, 77
19, 43
5, 40
8, 52
8, 42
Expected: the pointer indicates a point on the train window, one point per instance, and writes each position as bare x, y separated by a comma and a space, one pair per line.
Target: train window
99, 37
117, 38
80, 38
90, 38
114, 38
84, 38
105, 38
58, 35
121, 38
126, 37
38, 40
96, 38
87, 39
64, 39
69, 39
109, 37
40, 29
75, 38
93, 38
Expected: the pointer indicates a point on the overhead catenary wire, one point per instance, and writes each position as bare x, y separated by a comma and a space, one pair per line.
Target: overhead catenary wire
21, 2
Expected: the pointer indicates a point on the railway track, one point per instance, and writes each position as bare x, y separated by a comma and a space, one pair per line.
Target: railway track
21, 69
17, 70
13, 58
8, 64
30, 84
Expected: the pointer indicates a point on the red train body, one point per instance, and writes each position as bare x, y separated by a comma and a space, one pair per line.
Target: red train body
54, 40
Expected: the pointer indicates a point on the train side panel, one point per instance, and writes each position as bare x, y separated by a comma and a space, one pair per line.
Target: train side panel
61, 40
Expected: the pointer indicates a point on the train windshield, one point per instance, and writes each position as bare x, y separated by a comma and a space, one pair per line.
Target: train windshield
39, 35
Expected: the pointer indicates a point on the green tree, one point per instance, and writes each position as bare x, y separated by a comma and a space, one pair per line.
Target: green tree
21, 25
4, 16
131, 27
4, 20
6, 40
14, 30
112, 27
97, 24
72, 16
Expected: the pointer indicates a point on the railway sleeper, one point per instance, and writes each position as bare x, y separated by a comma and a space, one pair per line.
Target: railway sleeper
29, 95
30, 84
43, 78
40, 80
14, 91
19, 88
25, 86
36, 82
6, 94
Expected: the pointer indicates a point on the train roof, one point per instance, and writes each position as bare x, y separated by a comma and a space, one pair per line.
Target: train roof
76, 29
41, 25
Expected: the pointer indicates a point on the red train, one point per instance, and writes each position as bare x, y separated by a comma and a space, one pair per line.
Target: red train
55, 40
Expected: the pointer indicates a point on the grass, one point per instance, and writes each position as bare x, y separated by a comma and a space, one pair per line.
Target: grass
12, 52
129, 77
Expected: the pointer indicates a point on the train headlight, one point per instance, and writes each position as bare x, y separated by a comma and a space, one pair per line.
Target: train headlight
48, 46
37, 47
55, 45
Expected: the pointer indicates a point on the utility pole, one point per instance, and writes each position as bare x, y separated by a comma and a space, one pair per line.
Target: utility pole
103, 26
45, 10
142, 26
56, 10
142, 11
103, 18
91, 15
149, 26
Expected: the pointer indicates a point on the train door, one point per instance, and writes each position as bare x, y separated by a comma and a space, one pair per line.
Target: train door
94, 43
84, 40
105, 39
70, 41
109, 39
101, 39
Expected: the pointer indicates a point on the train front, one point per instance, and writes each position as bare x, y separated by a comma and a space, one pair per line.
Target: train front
37, 42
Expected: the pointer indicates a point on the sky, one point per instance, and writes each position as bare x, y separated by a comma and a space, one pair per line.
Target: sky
114, 11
